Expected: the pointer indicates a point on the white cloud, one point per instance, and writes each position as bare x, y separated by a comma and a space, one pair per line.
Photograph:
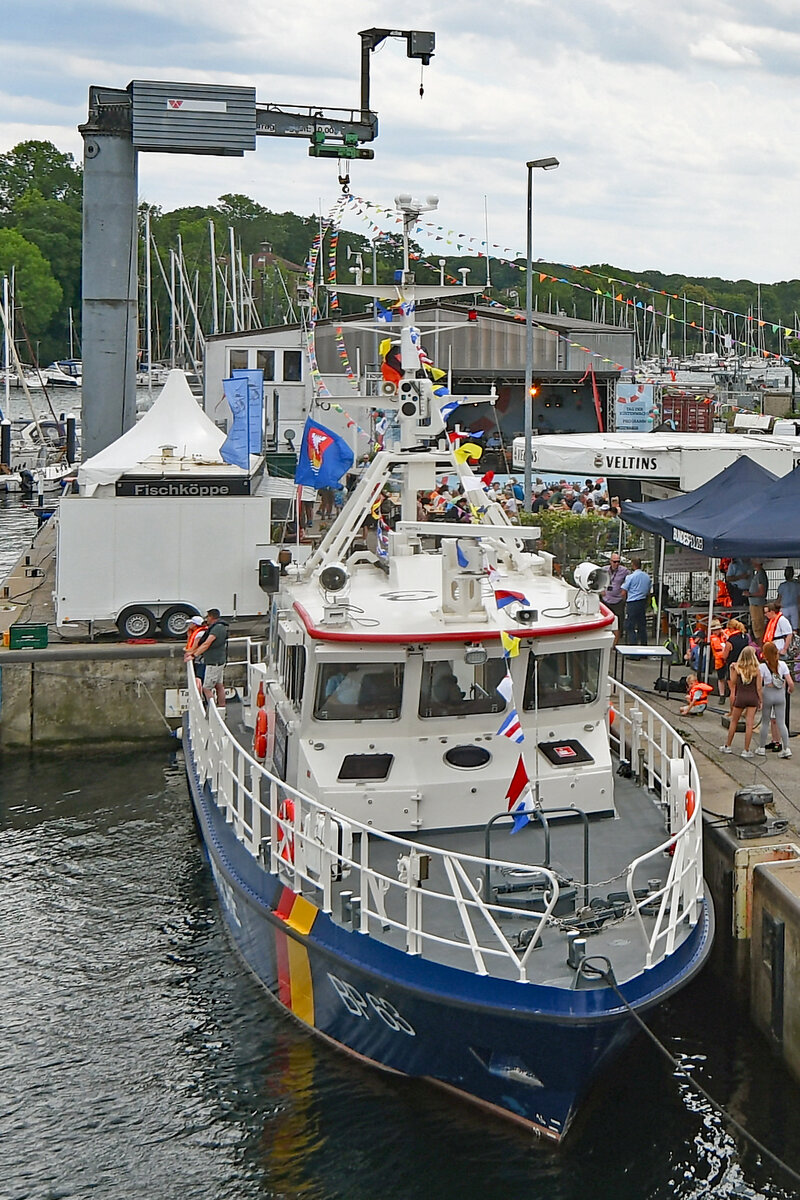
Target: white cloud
715, 50
670, 124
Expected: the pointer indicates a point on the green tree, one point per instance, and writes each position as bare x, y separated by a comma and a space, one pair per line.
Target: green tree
42, 166
56, 229
37, 294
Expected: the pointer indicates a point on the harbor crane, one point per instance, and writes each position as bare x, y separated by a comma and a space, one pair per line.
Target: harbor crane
179, 118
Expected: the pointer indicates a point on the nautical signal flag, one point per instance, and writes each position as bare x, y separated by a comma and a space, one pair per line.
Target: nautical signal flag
324, 457
511, 727
469, 450
510, 644
522, 808
519, 781
503, 598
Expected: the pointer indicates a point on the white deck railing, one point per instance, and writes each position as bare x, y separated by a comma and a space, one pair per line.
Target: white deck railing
432, 890
662, 761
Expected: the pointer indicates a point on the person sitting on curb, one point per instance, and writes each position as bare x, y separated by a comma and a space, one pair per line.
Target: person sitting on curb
697, 696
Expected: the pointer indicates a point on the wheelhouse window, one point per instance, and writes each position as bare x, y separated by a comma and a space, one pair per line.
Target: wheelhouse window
561, 680
291, 670
454, 688
360, 692
237, 360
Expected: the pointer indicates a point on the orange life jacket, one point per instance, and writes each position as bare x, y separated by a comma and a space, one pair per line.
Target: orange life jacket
772, 625
717, 642
196, 632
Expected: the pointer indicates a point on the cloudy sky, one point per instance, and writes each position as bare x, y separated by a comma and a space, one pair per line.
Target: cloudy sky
674, 120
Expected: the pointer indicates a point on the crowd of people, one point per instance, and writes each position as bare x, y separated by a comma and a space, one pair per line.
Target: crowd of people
751, 668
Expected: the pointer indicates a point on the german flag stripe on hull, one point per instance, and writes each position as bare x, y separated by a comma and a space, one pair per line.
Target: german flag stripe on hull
295, 985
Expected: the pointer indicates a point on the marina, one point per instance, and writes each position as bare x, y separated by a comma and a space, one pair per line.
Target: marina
438, 882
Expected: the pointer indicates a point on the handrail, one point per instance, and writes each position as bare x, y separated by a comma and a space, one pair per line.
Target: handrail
254, 800
680, 897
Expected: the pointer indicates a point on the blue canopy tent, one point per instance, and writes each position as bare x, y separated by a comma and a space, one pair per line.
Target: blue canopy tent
698, 514
768, 526
701, 519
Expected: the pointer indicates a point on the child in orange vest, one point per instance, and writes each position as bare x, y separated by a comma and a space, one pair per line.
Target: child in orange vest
697, 694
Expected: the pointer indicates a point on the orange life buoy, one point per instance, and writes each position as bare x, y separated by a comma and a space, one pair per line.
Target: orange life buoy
286, 831
612, 716
691, 804
260, 735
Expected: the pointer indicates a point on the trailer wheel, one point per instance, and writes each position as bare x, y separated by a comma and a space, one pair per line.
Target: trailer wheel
175, 620
136, 622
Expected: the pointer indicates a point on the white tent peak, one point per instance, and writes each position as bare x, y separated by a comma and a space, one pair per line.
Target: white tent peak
175, 420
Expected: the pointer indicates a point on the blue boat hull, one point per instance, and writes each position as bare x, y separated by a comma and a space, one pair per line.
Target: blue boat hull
530, 1052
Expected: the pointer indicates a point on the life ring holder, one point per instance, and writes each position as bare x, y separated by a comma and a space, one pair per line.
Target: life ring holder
286, 830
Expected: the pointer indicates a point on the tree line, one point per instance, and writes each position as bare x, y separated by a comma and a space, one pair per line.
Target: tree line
41, 190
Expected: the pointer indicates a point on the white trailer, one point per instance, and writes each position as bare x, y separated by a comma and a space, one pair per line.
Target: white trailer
145, 562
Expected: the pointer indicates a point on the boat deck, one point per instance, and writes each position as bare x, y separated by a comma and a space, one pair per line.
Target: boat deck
593, 904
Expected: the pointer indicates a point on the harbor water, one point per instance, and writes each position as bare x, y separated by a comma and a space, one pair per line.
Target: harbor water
140, 1058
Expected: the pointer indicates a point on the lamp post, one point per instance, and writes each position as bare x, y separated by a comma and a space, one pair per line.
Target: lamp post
546, 164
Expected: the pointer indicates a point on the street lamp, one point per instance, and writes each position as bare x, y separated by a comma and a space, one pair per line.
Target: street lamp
546, 164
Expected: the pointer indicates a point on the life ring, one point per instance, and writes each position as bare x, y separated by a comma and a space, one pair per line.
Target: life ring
260, 735
286, 831
691, 804
612, 716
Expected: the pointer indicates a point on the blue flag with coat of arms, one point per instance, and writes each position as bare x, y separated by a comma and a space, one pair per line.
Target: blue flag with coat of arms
324, 459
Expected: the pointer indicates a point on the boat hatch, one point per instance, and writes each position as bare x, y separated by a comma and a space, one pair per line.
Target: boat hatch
366, 766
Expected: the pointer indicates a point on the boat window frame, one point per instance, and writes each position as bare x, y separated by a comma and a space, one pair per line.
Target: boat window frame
326, 668
536, 657
466, 707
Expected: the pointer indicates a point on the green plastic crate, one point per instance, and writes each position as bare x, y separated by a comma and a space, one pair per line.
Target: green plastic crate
27, 637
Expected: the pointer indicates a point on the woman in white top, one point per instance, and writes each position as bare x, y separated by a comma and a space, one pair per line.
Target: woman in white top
776, 680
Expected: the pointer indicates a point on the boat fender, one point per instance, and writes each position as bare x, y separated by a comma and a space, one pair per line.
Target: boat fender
260, 735
286, 831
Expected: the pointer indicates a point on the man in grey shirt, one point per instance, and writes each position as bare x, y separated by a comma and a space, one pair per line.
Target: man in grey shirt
613, 597
213, 649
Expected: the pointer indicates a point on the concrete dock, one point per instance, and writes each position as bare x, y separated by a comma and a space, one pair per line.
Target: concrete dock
81, 691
